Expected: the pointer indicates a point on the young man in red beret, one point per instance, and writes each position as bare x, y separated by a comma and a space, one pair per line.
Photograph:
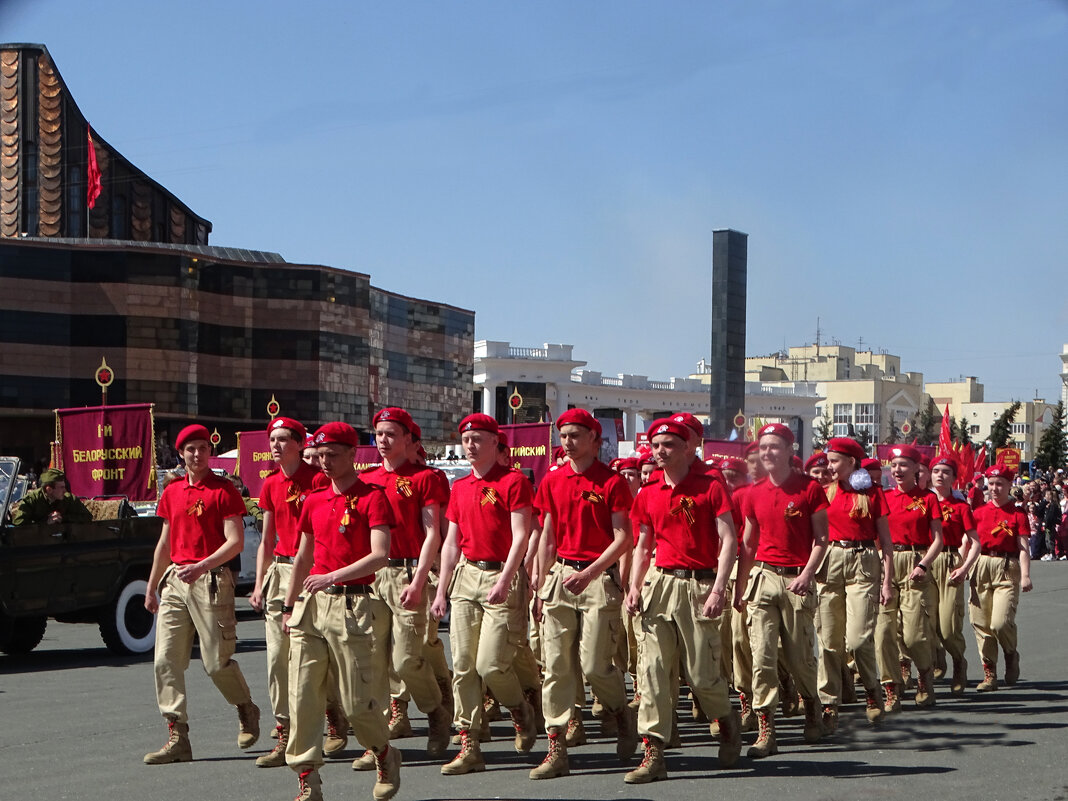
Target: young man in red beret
818, 468
416, 497
685, 516
202, 531
281, 499
328, 608
915, 519
489, 525
784, 544
585, 530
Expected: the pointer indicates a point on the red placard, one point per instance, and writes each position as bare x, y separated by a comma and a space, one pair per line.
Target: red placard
108, 450
1010, 457
529, 445
254, 462
723, 449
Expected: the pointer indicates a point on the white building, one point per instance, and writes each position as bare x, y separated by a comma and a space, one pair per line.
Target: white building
549, 381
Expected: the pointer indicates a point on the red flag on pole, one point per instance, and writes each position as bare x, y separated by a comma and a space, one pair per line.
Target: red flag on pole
94, 187
945, 437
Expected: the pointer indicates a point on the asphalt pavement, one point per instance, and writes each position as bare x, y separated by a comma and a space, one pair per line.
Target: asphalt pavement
75, 721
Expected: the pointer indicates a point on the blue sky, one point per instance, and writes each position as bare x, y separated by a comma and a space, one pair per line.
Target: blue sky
901, 168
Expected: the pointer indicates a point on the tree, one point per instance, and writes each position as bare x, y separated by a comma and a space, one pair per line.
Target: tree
1001, 431
894, 436
1052, 451
824, 431
965, 434
927, 425
864, 438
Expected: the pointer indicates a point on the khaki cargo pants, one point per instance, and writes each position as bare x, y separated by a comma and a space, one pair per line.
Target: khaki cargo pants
275, 586
332, 633
407, 640
204, 608
580, 633
908, 615
995, 598
949, 604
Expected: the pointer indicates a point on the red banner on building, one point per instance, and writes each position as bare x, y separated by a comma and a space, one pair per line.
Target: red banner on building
530, 447
254, 462
108, 450
723, 449
883, 452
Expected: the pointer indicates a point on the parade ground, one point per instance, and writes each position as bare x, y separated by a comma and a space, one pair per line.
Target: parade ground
76, 721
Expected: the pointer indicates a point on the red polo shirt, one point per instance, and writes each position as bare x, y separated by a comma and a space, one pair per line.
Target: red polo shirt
845, 524
482, 508
999, 526
911, 514
683, 520
409, 489
738, 508
359, 509
196, 513
784, 517
956, 519
283, 496
581, 505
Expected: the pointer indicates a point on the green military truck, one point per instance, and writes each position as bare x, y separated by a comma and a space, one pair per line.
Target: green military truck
75, 572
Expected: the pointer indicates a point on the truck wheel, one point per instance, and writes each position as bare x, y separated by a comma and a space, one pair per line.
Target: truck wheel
126, 626
21, 635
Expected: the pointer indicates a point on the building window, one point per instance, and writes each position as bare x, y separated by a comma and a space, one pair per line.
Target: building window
843, 418
866, 420
973, 430
1021, 428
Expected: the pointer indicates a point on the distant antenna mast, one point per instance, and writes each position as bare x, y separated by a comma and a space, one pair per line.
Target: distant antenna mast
817, 337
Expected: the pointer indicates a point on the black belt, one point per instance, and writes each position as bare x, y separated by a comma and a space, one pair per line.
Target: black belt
856, 545
951, 549
913, 548
283, 560
780, 570
482, 564
1000, 554
403, 562
348, 589
580, 564
702, 574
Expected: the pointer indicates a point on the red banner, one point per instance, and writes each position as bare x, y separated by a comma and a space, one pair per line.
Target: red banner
723, 449
530, 447
108, 450
883, 452
254, 462
1010, 457
367, 456
227, 463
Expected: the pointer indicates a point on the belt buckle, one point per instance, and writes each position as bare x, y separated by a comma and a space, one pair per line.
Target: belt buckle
679, 573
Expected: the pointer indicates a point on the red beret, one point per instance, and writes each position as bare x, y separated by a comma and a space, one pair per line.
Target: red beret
195, 431
337, 434
1000, 471
795, 461
925, 460
668, 425
737, 465
299, 431
818, 459
578, 417
947, 460
479, 422
779, 430
871, 464
502, 441
309, 441
626, 463
847, 446
646, 458
690, 422
394, 414
905, 452
559, 452
752, 447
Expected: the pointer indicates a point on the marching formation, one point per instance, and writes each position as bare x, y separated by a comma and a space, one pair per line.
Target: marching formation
778, 583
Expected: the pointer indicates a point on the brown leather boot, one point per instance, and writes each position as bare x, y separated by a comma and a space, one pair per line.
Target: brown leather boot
437, 736
874, 707
652, 768
277, 756
849, 685
336, 731
399, 724
893, 700
1012, 668
907, 682
311, 786
940, 662
788, 698
555, 763
176, 749
576, 732
925, 695
749, 721
990, 678
765, 741
525, 732
365, 762
960, 676
730, 739
388, 763
830, 719
626, 732
469, 760
813, 721
248, 718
